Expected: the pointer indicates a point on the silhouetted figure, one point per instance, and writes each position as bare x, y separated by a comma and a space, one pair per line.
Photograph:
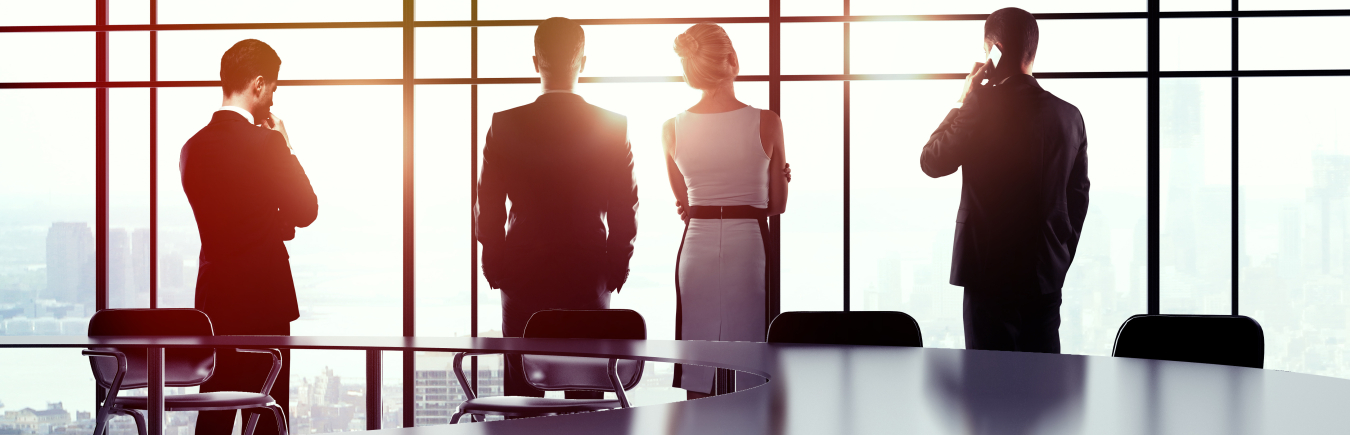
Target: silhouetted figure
248, 193
1024, 193
725, 160
567, 168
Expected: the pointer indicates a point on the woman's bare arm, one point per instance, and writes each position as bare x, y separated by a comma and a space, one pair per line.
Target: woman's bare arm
677, 185
771, 134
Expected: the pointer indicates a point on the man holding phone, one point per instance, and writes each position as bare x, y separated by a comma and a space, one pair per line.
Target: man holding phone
248, 194
1024, 192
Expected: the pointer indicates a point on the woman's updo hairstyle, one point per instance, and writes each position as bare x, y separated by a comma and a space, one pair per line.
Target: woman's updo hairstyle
705, 51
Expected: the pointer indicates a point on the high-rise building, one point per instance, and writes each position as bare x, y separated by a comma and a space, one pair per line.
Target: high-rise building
140, 262
70, 264
119, 269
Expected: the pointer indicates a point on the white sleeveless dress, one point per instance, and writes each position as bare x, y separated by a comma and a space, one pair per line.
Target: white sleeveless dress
720, 277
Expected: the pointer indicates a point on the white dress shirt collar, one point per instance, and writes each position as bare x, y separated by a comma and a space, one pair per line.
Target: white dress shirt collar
244, 113
558, 91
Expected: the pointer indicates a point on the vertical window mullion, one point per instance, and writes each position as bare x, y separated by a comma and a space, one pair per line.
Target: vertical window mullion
1154, 157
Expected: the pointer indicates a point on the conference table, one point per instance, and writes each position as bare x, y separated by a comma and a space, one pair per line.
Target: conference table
835, 389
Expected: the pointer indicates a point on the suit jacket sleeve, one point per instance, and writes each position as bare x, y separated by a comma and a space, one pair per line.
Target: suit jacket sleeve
621, 215
947, 147
1077, 192
490, 210
293, 195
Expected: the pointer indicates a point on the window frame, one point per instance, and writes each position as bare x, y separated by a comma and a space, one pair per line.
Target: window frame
1153, 74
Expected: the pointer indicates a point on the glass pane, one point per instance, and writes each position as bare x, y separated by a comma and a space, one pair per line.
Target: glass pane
129, 198
182, 112
810, 7
305, 54
1197, 44
49, 379
47, 13
444, 210
277, 11
541, 9
1196, 5
347, 265
1293, 221
1115, 45
443, 52
1108, 281
904, 257
442, 10
954, 46
1292, 43
813, 48
129, 56
1248, 5
888, 7
128, 11
47, 57
391, 394
328, 389
46, 242
813, 227
1197, 206
616, 50
493, 99
900, 258
47, 203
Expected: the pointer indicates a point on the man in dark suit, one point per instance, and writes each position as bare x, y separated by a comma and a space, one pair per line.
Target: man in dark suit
1024, 192
567, 168
248, 193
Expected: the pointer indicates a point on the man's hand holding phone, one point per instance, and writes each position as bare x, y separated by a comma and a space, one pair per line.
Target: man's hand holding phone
272, 122
979, 73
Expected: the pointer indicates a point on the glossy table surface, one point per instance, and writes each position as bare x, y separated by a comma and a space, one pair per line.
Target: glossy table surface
824, 389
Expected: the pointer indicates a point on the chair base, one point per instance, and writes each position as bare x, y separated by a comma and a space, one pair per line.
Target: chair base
517, 406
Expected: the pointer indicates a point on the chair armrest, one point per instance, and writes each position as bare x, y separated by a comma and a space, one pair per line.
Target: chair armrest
272, 374
613, 371
458, 365
116, 384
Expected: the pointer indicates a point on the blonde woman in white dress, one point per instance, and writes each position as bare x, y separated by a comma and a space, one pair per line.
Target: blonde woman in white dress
726, 166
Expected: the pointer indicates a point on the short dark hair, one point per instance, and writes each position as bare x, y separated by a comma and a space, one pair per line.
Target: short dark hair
1016, 29
558, 41
244, 61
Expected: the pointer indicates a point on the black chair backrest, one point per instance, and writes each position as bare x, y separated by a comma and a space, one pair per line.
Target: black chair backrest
1228, 340
877, 328
182, 367
553, 373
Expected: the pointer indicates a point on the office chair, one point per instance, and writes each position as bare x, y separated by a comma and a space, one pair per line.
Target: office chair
564, 373
877, 328
1211, 339
117, 369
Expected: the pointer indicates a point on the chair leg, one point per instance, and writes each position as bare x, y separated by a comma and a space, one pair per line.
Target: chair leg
252, 422
100, 422
454, 419
140, 422
283, 427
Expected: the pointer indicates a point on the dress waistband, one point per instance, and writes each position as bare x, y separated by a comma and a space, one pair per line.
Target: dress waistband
727, 212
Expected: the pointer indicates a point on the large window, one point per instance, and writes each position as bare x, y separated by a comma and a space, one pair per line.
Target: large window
1219, 169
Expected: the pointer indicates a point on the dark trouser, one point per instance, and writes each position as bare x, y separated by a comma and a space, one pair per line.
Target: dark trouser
516, 312
246, 372
997, 320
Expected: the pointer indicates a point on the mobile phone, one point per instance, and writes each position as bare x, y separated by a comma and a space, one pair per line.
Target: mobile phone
995, 55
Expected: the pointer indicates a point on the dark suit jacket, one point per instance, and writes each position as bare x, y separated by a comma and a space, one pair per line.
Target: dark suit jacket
249, 194
567, 168
1024, 185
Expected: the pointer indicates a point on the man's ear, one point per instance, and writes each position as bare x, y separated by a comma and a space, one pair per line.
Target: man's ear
535, 59
258, 85
583, 65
